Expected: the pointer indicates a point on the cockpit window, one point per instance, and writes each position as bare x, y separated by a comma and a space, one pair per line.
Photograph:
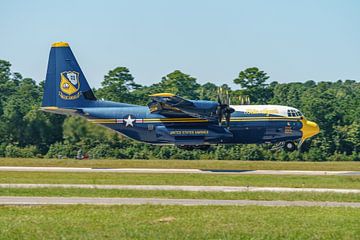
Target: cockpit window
294, 113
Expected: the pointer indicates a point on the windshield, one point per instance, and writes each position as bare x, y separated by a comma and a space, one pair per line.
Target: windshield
294, 113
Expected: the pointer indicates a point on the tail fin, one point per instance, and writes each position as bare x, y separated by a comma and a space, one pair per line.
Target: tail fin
65, 84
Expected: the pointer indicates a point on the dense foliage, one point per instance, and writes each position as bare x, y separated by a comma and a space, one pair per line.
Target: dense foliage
25, 131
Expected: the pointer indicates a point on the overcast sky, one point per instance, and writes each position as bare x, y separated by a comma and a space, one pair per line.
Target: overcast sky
210, 40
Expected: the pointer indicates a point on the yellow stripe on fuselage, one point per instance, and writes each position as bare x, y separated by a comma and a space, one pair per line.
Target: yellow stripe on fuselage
197, 120
258, 120
102, 120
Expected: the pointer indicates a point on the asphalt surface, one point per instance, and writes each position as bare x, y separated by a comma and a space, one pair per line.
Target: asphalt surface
159, 201
192, 171
182, 188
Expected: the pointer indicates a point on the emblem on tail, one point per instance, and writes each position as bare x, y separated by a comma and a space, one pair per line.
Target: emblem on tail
69, 85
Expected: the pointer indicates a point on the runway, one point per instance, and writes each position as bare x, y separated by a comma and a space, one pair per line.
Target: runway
190, 171
159, 201
183, 188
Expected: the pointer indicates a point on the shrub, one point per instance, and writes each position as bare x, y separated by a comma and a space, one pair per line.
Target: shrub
15, 151
101, 151
60, 150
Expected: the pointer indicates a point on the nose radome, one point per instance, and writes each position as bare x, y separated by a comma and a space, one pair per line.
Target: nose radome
309, 129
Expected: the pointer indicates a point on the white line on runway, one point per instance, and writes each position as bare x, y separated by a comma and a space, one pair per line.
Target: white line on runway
165, 170
182, 188
159, 201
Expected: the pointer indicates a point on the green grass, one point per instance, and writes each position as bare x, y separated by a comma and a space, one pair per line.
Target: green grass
178, 222
77, 192
183, 179
198, 164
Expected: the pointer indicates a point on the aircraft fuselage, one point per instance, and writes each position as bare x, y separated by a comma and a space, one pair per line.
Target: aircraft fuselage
249, 124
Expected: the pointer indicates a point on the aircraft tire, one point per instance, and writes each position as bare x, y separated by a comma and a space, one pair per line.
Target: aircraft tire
290, 146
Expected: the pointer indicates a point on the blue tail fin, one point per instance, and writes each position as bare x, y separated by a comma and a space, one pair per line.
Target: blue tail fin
65, 84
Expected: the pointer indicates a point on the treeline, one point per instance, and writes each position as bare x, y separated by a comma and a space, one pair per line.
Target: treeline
25, 131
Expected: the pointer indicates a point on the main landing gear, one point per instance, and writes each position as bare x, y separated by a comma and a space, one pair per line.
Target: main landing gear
287, 146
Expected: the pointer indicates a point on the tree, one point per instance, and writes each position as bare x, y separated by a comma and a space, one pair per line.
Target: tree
178, 83
208, 91
42, 129
117, 85
8, 84
16, 106
252, 81
4, 71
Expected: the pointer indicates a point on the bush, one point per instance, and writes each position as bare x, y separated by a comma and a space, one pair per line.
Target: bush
17, 152
252, 152
101, 151
315, 154
60, 150
2, 150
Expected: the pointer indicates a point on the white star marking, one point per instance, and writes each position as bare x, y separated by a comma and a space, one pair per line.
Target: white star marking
129, 121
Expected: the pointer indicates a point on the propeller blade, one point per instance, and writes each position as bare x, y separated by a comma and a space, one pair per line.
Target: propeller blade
224, 110
219, 114
227, 117
219, 95
227, 97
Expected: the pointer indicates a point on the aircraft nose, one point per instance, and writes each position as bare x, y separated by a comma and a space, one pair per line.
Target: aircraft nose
309, 129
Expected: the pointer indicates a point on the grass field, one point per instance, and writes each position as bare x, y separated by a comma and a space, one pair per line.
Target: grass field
178, 222
183, 179
198, 164
76, 192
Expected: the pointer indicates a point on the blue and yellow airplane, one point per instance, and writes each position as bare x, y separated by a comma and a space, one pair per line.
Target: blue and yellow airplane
171, 119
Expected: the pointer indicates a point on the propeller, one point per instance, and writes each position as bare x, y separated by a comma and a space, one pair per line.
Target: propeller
224, 110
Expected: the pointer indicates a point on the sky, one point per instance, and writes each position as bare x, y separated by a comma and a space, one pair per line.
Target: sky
210, 40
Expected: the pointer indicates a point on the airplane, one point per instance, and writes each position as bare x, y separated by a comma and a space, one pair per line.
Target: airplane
170, 119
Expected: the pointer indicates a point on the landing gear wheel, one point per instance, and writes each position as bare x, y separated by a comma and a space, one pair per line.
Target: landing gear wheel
290, 146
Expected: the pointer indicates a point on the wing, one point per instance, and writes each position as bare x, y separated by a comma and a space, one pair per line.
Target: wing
169, 104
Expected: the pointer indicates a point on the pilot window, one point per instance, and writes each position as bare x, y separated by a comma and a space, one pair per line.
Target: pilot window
291, 113
294, 113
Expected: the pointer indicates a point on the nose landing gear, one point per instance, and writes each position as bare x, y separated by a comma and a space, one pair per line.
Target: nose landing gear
290, 146
287, 146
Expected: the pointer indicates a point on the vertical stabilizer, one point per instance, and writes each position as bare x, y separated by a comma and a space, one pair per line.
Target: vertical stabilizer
65, 84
